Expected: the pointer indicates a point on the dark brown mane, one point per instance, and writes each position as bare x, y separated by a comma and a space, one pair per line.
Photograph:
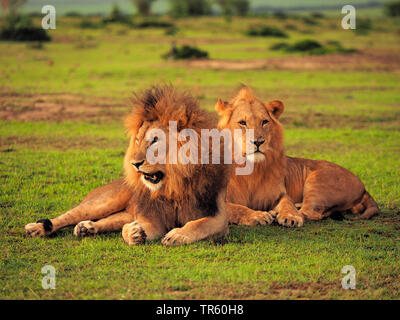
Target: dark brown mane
165, 103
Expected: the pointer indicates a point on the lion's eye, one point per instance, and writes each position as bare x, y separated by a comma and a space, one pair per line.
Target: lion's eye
155, 139
242, 123
264, 122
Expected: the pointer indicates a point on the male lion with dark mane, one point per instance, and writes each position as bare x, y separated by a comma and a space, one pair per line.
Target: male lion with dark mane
181, 203
278, 182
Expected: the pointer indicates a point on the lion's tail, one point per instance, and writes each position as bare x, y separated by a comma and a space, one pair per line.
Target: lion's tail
371, 208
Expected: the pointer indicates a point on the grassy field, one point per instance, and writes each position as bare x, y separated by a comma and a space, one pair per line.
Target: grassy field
61, 135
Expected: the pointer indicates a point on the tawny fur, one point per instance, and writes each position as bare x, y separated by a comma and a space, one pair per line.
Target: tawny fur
279, 181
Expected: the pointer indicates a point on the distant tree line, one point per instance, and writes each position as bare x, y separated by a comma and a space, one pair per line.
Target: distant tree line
184, 8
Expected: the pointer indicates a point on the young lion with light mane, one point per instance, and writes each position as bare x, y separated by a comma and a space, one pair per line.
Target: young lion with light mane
278, 181
181, 203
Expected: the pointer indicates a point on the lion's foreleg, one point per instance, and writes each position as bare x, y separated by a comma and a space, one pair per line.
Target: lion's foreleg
241, 215
113, 222
196, 230
142, 229
98, 204
288, 215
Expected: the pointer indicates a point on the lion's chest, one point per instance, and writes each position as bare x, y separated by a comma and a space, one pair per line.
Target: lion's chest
258, 193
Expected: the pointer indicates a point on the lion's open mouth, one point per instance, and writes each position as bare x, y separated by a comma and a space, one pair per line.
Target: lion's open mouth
154, 177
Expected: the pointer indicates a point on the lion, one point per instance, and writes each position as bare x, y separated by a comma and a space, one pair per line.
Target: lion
281, 184
180, 203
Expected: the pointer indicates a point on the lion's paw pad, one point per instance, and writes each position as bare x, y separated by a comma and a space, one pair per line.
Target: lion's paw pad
133, 233
35, 230
85, 228
175, 237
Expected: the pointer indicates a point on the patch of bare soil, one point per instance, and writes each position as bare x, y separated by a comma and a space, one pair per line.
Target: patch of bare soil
58, 107
362, 61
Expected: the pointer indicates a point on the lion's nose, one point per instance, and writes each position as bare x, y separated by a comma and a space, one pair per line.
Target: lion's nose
258, 143
137, 164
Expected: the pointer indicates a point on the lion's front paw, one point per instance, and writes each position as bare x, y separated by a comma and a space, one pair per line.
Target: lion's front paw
176, 237
290, 219
133, 233
85, 228
35, 230
258, 217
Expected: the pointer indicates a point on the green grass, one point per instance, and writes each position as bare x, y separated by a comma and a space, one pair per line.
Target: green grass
350, 117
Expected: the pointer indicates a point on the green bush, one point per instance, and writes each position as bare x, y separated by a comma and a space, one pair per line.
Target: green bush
304, 46
312, 47
266, 31
392, 9
185, 52
154, 24
21, 28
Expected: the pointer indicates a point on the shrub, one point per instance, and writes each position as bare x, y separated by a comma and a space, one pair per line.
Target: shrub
184, 8
154, 24
185, 52
392, 9
312, 47
304, 46
21, 28
266, 31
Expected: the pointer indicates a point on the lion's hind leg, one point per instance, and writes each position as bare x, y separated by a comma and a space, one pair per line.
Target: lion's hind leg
366, 208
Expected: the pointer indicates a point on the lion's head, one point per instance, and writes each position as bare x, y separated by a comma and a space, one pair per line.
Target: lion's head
245, 111
149, 127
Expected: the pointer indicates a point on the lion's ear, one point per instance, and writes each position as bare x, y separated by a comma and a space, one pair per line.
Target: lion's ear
221, 106
276, 107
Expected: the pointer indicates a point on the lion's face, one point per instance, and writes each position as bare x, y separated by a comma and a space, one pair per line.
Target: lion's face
158, 116
152, 173
247, 112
